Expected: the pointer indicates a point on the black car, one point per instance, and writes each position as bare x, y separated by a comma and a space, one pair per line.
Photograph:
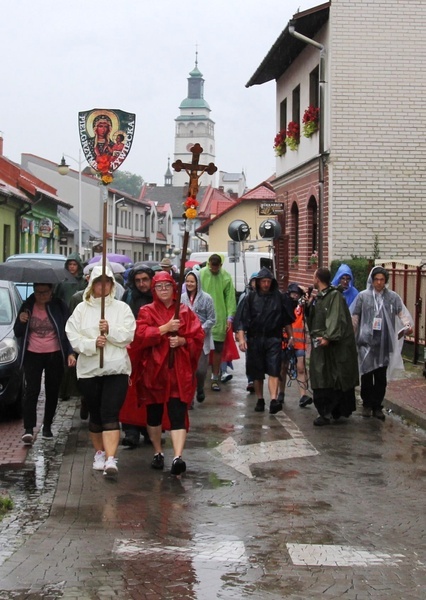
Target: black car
11, 376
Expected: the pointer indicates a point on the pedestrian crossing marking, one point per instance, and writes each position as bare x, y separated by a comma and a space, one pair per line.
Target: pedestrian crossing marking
328, 555
227, 551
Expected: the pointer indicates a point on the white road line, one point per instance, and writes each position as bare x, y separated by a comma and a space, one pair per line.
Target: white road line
325, 555
225, 551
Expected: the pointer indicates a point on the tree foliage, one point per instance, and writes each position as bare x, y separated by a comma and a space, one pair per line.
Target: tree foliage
127, 182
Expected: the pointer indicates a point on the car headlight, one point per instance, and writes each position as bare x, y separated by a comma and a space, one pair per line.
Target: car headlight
8, 351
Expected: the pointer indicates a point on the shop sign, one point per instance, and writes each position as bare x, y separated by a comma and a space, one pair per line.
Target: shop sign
267, 209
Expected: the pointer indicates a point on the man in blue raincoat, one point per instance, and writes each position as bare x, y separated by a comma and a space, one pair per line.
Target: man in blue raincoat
344, 279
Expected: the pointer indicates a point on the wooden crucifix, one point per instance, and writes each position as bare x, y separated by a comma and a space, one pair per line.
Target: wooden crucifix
194, 171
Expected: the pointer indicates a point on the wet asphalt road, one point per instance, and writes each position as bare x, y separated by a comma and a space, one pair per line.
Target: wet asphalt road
270, 508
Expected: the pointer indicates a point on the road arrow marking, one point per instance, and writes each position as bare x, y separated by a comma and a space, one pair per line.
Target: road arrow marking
241, 457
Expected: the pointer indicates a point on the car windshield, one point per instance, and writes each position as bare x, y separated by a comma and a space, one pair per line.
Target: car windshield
5, 307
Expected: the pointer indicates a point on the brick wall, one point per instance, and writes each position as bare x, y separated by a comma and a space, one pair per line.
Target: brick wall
377, 79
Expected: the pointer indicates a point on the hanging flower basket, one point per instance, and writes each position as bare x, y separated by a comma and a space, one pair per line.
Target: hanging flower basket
313, 259
279, 143
292, 139
310, 121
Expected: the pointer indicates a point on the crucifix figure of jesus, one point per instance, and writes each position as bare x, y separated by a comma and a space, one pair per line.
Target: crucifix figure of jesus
193, 169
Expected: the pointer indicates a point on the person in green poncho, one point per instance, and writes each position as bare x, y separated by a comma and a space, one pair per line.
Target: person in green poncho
218, 283
333, 366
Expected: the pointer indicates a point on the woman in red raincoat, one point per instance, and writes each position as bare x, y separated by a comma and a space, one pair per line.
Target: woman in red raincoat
160, 386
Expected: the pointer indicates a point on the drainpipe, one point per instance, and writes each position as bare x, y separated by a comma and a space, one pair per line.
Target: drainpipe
321, 164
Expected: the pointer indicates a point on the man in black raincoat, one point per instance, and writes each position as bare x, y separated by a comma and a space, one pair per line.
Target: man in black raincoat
264, 314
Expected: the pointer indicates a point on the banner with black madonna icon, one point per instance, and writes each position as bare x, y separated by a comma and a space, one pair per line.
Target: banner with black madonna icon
106, 137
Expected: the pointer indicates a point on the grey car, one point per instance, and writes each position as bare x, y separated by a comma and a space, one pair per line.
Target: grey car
11, 376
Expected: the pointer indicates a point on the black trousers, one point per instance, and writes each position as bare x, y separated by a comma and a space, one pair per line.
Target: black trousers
104, 397
335, 403
34, 364
373, 388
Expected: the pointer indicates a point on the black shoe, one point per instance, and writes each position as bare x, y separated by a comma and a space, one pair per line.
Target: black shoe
250, 387
305, 401
28, 437
47, 433
178, 466
319, 421
201, 396
274, 407
147, 440
281, 397
378, 414
260, 405
158, 462
130, 441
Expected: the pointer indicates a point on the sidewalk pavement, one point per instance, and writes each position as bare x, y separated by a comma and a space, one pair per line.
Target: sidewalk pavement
406, 397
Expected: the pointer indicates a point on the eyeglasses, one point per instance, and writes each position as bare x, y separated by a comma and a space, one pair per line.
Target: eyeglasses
163, 286
44, 293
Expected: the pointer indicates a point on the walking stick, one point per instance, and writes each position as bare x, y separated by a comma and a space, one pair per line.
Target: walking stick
104, 253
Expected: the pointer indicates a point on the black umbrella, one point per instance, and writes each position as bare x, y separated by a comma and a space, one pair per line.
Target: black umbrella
34, 271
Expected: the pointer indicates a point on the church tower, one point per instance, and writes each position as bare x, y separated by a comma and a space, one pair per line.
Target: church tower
194, 125
168, 177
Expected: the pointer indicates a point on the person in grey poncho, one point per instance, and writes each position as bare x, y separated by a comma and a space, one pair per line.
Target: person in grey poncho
380, 321
201, 304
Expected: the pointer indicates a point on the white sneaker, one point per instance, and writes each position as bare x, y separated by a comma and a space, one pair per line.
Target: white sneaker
110, 467
99, 460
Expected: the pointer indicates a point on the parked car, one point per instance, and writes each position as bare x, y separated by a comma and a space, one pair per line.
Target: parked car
25, 289
11, 376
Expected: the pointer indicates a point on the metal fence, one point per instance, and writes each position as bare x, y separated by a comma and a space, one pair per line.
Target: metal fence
409, 281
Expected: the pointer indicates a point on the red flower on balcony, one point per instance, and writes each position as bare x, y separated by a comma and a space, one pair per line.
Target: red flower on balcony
279, 143
293, 135
310, 121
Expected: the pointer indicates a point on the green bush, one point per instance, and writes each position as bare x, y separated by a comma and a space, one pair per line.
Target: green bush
360, 268
6, 503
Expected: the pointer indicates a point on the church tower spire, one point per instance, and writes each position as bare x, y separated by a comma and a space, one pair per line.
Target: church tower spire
168, 177
194, 125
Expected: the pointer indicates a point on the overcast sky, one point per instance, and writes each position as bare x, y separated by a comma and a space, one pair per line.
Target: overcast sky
136, 55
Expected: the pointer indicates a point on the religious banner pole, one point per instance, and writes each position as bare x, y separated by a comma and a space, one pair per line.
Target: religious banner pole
106, 137
194, 171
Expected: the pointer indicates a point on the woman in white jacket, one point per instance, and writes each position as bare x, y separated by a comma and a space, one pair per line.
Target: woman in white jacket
103, 388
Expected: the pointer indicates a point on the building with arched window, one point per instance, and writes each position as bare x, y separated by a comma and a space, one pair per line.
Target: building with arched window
351, 140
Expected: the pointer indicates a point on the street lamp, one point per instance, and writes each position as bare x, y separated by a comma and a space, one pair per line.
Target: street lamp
63, 169
119, 203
